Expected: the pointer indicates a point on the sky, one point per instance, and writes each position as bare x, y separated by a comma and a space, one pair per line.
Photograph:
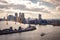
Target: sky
49, 9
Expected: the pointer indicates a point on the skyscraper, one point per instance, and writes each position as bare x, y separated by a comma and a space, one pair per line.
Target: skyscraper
39, 19
39, 16
21, 17
16, 15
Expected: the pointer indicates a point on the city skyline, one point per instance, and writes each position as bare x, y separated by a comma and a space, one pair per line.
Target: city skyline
49, 9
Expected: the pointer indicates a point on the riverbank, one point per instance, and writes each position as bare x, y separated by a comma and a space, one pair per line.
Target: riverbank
51, 33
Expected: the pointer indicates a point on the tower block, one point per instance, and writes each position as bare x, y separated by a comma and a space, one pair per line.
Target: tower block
16, 14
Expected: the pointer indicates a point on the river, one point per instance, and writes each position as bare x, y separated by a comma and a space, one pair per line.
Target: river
51, 33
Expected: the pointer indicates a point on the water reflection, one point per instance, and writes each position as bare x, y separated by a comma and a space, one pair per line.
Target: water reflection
51, 33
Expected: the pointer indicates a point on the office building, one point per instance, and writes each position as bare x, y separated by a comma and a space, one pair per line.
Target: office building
39, 16
16, 15
21, 17
40, 19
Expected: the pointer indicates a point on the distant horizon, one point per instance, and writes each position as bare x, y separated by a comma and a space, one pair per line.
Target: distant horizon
30, 16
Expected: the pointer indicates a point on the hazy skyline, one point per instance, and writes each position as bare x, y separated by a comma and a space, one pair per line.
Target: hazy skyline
49, 9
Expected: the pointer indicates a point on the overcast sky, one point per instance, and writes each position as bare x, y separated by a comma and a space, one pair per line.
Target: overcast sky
49, 9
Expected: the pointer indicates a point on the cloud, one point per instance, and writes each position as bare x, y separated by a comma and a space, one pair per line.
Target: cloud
33, 7
45, 7
50, 5
3, 1
39, 10
3, 7
35, 1
29, 5
55, 2
47, 3
19, 6
58, 8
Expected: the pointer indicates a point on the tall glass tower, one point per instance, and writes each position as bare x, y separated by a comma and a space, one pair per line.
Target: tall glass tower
16, 14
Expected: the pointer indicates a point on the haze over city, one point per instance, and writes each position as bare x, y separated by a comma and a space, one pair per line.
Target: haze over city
49, 9
29, 19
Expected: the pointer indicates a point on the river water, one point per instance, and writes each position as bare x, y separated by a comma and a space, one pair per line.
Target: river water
51, 33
